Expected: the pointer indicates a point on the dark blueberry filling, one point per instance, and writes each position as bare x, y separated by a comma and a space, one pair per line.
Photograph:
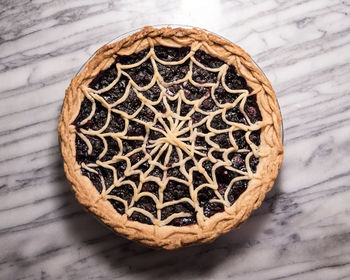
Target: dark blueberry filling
171, 54
233, 81
222, 96
104, 78
202, 76
177, 208
173, 90
198, 179
200, 142
217, 155
139, 217
174, 158
120, 166
116, 123
136, 157
142, 76
175, 172
175, 190
136, 129
185, 109
255, 137
95, 178
151, 187
144, 166
161, 108
133, 58
113, 149
85, 110
222, 140
208, 166
133, 178
131, 104
97, 121
209, 208
153, 93
203, 129
235, 115
82, 153
130, 145
252, 110
157, 172
174, 72
218, 123
197, 117
238, 161
125, 192
208, 105
148, 204
119, 206
239, 136
189, 164
117, 91
146, 115
208, 60
194, 93
237, 189
107, 175
178, 222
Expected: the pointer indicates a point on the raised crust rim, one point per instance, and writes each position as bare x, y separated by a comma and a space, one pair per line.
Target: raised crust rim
270, 149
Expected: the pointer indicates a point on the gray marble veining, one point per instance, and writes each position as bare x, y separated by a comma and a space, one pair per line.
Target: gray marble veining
302, 230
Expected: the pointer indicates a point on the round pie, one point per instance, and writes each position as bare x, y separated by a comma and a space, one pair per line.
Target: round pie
171, 137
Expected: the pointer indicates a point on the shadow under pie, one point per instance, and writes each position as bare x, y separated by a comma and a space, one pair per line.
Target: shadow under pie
126, 257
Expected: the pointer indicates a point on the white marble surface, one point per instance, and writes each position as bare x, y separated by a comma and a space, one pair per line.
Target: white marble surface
302, 230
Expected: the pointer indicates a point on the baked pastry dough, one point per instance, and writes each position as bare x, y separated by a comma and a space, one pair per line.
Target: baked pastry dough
171, 137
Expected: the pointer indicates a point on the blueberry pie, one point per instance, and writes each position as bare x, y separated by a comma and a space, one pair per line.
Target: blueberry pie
171, 137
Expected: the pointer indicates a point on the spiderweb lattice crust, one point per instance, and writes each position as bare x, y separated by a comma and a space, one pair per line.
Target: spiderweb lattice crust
169, 136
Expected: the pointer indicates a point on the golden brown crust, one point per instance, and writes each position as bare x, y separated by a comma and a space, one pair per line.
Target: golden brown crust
271, 150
